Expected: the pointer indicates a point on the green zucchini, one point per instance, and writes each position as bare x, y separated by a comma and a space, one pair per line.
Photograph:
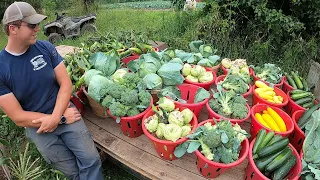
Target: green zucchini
280, 173
306, 115
273, 148
267, 138
261, 134
279, 160
305, 84
304, 100
297, 91
291, 81
297, 80
275, 138
308, 105
261, 163
300, 95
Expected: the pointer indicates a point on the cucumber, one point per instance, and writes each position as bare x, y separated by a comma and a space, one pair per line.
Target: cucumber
306, 115
291, 81
308, 105
279, 160
261, 163
304, 100
297, 91
297, 80
261, 134
305, 84
280, 173
300, 95
273, 148
267, 138
275, 139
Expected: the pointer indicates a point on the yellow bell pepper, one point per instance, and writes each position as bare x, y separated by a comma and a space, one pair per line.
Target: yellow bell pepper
275, 116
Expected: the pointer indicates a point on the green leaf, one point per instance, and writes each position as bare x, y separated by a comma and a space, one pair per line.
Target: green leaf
224, 138
193, 146
181, 149
201, 95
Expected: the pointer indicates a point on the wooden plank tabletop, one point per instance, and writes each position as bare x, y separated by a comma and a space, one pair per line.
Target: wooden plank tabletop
139, 155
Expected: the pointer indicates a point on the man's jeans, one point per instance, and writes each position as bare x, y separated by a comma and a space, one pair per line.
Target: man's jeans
70, 149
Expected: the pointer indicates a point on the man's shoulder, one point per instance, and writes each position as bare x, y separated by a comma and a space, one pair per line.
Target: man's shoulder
43, 43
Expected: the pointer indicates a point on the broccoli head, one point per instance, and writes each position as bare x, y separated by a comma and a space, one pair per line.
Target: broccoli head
115, 90
117, 109
144, 97
225, 101
240, 111
214, 105
131, 80
107, 101
235, 83
133, 111
211, 138
129, 97
240, 99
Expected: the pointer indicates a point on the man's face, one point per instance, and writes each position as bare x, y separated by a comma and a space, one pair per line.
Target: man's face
27, 33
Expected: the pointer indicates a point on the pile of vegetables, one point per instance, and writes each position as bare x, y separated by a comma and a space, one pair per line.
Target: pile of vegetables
236, 83
311, 153
196, 73
270, 73
228, 104
237, 66
269, 118
169, 123
302, 98
220, 142
296, 81
267, 93
272, 155
204, 55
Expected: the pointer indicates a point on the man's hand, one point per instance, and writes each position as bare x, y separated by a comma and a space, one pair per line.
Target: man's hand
48, 124
72, 115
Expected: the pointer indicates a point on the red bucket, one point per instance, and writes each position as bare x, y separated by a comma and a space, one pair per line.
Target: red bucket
215, 69
188, 92
297, 137
205, 85
165, 148
211, 169
286, 86
225, 70
215, 115
129, 58
258, 100
279, 85
77, 101
253, 173
221, 78
256, 125
132, 126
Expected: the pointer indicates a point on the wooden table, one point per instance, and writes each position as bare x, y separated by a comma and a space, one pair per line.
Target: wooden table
138, 156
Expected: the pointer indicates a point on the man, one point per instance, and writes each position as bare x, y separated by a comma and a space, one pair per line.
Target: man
35, 92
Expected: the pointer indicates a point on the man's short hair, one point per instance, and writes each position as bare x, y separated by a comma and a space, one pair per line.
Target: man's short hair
6, 26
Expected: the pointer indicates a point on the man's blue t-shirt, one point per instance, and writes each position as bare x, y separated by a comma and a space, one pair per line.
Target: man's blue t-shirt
30, 77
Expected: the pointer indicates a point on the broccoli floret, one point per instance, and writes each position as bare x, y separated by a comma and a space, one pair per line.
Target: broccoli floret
225, 101
144, 97
240, 99
117, 109
211, 138
131, 80
129, 97
107, 101
133, 111
115, 90
235, 83
240, 111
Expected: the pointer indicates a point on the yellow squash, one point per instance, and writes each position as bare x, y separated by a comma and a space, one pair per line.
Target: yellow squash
260, 119
275, 116
271, 123
261, 84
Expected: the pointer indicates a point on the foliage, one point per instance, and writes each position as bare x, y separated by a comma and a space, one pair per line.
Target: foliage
140, 5
37, 4
25, 168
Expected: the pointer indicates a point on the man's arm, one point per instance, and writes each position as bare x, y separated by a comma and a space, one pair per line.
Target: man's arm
10, 105
65, 91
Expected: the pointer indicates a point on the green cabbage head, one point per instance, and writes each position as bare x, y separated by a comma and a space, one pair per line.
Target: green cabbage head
172, 132
187, 115
151, 123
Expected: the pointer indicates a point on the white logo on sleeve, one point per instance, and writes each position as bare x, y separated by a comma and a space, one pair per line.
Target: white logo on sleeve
38, 62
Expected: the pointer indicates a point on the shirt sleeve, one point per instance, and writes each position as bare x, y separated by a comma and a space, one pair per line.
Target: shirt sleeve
56, 59
3, 88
